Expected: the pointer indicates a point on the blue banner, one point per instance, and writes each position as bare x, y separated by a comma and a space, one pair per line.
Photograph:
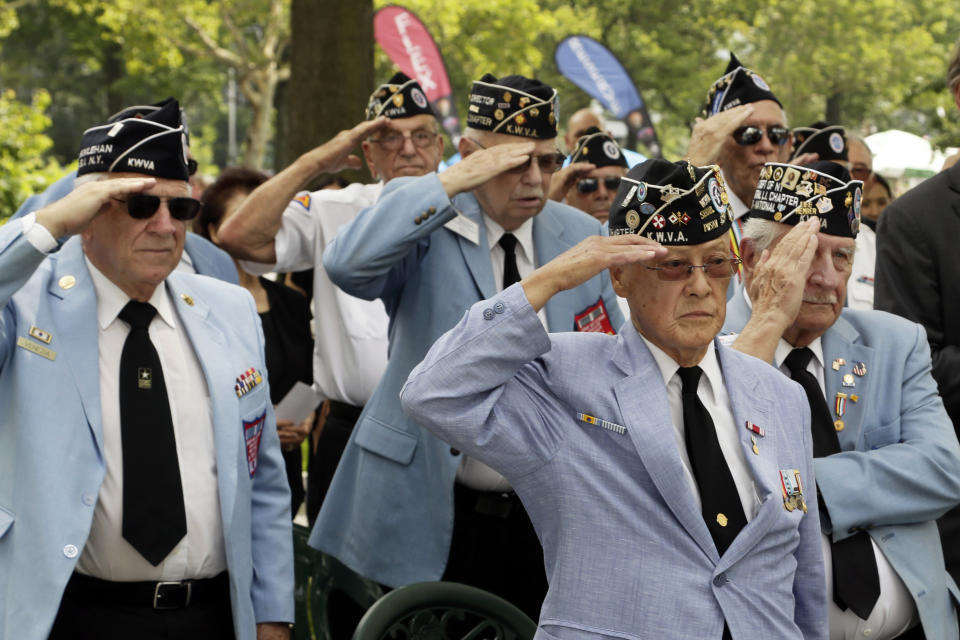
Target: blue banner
593, 68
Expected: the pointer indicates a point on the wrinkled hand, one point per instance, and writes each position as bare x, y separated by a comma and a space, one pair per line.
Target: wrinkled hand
564, 179
273, 631
72, 213
578, 264
334, 155
709, 134
484, 164
805, 158
779, 278
292, 434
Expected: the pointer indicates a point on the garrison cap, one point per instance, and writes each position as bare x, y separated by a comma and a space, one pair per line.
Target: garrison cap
792, 194
152, 143
514, 105
828, 141
599, 148
737, 86
401, 97
674, 203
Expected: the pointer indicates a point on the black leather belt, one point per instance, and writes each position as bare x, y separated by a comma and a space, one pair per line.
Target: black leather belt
156, 595
344, 411
498, 504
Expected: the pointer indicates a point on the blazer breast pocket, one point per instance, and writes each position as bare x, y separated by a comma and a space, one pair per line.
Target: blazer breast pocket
882, 436
384, 440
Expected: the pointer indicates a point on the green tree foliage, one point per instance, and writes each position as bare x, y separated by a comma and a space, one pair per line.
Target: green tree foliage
23, 168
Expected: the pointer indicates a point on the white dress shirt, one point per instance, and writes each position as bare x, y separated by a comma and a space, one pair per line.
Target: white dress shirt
473, 473
860, 283
712, 392
200, 554
350, 347
895, 611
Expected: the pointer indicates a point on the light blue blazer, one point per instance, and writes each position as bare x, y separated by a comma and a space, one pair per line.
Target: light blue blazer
626, 549
51, 456
389, 510
208, 259
899, 468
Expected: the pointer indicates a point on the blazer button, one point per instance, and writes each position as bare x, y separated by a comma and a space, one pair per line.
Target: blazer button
499, 307
454, 452
432, 210
488, 314
88, 499
720, 580
417, 220
70, 551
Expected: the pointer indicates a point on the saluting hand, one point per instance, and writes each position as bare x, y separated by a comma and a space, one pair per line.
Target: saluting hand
334, 155
709, 134
779, 278
72, 213
565, 178
483, 164
578, 264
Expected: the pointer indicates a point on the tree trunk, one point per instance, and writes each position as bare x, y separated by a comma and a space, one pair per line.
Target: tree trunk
834, 109
259, 134
331, 74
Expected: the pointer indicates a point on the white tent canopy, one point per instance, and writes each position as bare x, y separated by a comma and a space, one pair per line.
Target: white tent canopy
896, 153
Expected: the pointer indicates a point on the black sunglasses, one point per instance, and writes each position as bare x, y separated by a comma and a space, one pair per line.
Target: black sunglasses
142, 206
192, 166
589, 185
751, 135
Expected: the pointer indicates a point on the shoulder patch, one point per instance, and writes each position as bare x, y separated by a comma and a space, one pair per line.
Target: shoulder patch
303, 200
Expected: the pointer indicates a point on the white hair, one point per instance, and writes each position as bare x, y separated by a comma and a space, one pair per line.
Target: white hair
762, 233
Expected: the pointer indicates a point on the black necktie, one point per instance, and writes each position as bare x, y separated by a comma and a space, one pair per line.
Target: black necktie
856, 583
510, 272
154, 520
720, 502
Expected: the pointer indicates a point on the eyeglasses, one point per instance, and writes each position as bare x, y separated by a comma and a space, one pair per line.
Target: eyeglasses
192, 166
676, 270
142, 206
589, 185
860, 172
548, 162
393, 141
751, 135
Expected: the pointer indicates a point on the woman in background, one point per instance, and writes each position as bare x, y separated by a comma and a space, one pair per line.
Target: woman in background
285, 315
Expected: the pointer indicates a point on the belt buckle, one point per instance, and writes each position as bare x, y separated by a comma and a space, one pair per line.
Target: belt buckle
159, 592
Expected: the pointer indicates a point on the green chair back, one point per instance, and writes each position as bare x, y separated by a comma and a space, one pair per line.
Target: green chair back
317, 576
443, 611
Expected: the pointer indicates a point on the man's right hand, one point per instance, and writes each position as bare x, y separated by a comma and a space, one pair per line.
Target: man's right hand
780, 276
72, 213
484, 164
708, 136
334, 155
583, 261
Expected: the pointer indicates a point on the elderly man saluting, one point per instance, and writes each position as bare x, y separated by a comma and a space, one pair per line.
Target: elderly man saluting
886, 459
142, 491
668, 477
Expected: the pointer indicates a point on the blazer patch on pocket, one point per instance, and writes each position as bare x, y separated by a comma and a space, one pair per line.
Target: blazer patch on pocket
252, 432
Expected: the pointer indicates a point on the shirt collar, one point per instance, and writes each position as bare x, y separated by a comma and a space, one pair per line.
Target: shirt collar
784, 348
669, 367
111, 299
524, 234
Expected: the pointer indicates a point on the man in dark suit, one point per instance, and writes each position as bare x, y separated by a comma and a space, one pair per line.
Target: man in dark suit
916, 277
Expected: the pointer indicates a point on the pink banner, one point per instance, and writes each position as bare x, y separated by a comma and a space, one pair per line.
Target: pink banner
411, 47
